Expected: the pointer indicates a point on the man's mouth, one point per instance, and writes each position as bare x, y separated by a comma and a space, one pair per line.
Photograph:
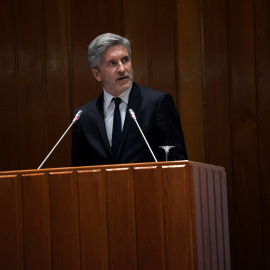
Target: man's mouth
122, 78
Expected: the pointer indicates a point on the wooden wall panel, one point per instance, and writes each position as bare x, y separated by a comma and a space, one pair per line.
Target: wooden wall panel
217, 92
136, 30
31, 91
262, 42
8, 92
245, 137
262, 22
83, 25
110, 17
190, 91
161, 39
216, 82
57, 100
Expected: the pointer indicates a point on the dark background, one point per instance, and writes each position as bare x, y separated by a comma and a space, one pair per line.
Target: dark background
212, 56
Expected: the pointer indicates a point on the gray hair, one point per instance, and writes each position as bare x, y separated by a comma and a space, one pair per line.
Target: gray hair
99, 45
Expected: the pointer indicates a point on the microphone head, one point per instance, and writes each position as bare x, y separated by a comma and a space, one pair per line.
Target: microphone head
77, 116
132, 113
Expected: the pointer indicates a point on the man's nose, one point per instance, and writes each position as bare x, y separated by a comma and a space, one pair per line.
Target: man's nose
121, 67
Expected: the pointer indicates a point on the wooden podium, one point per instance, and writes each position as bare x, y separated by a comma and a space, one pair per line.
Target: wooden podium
166, 215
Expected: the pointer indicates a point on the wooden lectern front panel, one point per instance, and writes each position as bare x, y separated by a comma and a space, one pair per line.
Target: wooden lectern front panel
93, 219
11, 245
64, 220
149, 217
36, 221
160, 216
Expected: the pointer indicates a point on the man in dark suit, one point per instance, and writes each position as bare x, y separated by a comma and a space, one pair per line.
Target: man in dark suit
105, 132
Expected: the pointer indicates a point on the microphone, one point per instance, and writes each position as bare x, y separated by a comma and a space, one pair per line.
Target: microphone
132, 114
75, 119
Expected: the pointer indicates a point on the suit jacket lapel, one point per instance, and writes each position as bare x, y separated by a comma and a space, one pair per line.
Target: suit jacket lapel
101, 123
132, 104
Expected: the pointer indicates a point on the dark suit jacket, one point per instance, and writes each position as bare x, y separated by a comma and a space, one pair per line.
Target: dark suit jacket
157, 117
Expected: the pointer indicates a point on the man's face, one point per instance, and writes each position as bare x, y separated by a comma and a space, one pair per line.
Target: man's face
115, 70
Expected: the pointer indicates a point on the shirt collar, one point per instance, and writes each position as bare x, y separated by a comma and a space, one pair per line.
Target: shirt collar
108, 97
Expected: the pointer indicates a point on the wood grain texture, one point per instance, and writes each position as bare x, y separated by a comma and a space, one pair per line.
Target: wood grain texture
31, 82
82, 28
93, 219
247, 190
137, 216
57, 85
121, 219
11, 244
262, 43
161, 39
178, 196
36, 221
137, 29
9, 135
65, 220
149, 218
190, 98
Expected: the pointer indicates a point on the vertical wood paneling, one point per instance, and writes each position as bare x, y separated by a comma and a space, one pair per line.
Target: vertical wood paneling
219, 220
225, 218
198, 220
83, 29
216, 79
121, 216
162, 46
110, 17
136, 30
8, 100
217, 92
178, 227
29, 30
36, 222
205, 218
262, 23
212, 219
149, 218
190, 92
93, 220
57, 81
11, 246
245, 137
65, 221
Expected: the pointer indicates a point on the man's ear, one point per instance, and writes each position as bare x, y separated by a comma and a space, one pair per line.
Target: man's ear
96, 74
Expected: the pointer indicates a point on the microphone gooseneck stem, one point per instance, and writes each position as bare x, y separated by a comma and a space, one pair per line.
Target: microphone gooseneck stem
134, 117
76, 118
55, 146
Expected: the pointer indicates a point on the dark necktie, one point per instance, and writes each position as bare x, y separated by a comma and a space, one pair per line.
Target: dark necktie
117, 129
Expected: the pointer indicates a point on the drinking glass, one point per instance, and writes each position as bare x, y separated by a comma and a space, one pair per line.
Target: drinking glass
166, 148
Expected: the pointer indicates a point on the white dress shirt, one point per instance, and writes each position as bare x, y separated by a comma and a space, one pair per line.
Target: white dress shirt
108, 107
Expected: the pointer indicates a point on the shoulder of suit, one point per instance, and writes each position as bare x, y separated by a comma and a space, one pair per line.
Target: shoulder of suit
149, 91
90, 105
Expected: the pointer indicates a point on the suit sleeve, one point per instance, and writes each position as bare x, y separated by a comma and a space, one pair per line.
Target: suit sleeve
79, 147
169, 128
